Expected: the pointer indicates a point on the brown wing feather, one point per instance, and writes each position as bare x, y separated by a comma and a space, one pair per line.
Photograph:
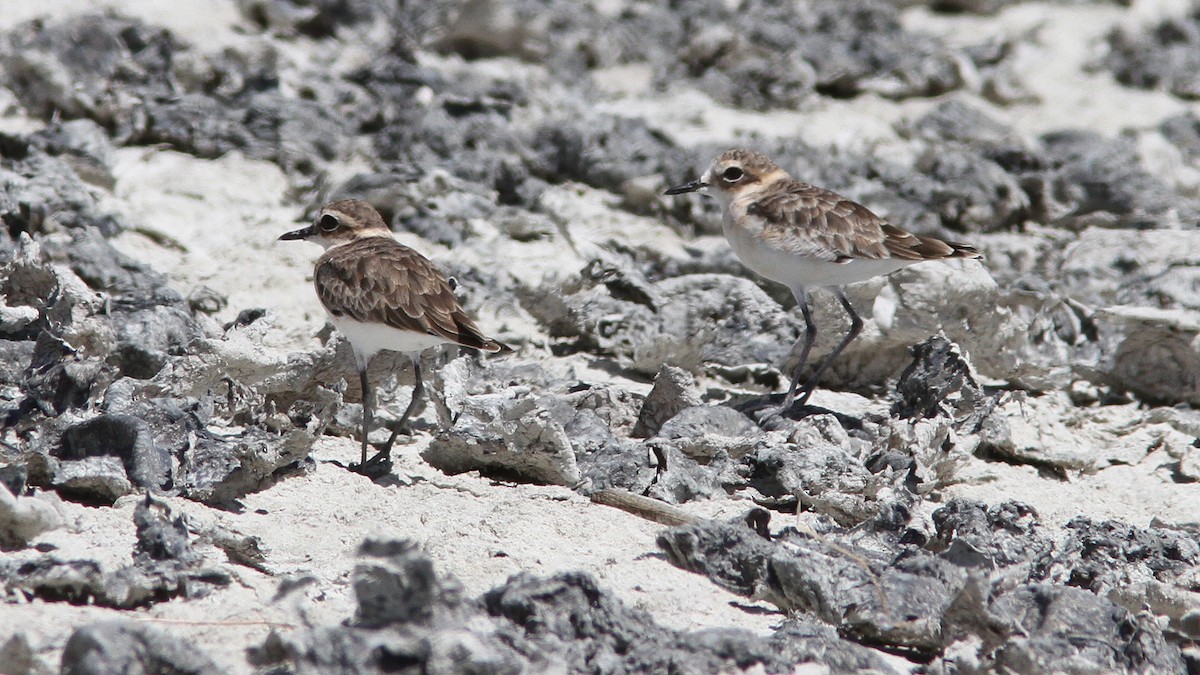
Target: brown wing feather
839, 227
377, 279
842, 228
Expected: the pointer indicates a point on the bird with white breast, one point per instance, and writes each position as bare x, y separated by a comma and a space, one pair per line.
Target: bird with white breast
380, 295
803, 236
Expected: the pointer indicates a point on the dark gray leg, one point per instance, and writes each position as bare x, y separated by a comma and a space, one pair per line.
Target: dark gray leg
417, 392
810, 336
856, 325
367, 403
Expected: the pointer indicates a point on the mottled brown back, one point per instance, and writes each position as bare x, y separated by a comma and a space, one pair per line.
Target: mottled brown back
845, 227
377, 279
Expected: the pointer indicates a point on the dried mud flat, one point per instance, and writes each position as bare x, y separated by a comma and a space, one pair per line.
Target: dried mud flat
1001, 474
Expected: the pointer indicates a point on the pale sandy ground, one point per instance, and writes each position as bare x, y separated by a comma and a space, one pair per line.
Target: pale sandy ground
226, 215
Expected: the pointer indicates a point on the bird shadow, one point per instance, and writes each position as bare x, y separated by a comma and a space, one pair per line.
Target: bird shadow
769, 414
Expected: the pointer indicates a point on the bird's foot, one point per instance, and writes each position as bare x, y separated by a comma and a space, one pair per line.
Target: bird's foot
771, 416
768, 418
375, 467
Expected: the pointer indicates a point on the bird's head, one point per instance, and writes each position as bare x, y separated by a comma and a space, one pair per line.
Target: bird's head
341, 222
734, 173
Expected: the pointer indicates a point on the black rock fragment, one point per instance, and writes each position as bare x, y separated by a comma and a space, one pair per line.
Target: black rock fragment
571, 610
1102, 555
164, 567
972, 535
842, 585
130, 78
162, 535
219, 469
937, 373
755, 55
731, 555
40, 190
92, 480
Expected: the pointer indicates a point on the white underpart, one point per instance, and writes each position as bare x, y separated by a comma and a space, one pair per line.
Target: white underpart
368, 339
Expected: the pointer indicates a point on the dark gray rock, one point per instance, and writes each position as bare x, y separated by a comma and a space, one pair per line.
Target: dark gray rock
58, 380
1183, 132
131, 648
968, 192
845, 50
13, 477
1164, 56
147, 337
164, 567
408, 614
83, 66
1100, 182
921, 604
694, 319
731, 555
902, 604
125, 437
221, 468
679, 478
954, 121
85, 148
94, 480
824, 475
841, 585
938, 372
103, 268
54, 580
395, 583
972, 535
24, 518
757, 55
603, 151
802, 641
41, 191
1055, 628
303, 17
703, 432
145, 86
571, 617
162, 535
510, 433
977, 175
674, 389
1102, 555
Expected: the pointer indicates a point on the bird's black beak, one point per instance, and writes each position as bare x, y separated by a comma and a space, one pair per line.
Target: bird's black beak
303, 233
687, 187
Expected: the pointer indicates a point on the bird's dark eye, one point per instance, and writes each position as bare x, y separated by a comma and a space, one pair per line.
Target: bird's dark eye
732, 175
328, 223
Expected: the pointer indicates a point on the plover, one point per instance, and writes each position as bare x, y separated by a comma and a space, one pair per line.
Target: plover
381, 295
803, 236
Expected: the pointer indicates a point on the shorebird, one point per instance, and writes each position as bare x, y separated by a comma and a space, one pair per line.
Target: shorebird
381, 295
804, 236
